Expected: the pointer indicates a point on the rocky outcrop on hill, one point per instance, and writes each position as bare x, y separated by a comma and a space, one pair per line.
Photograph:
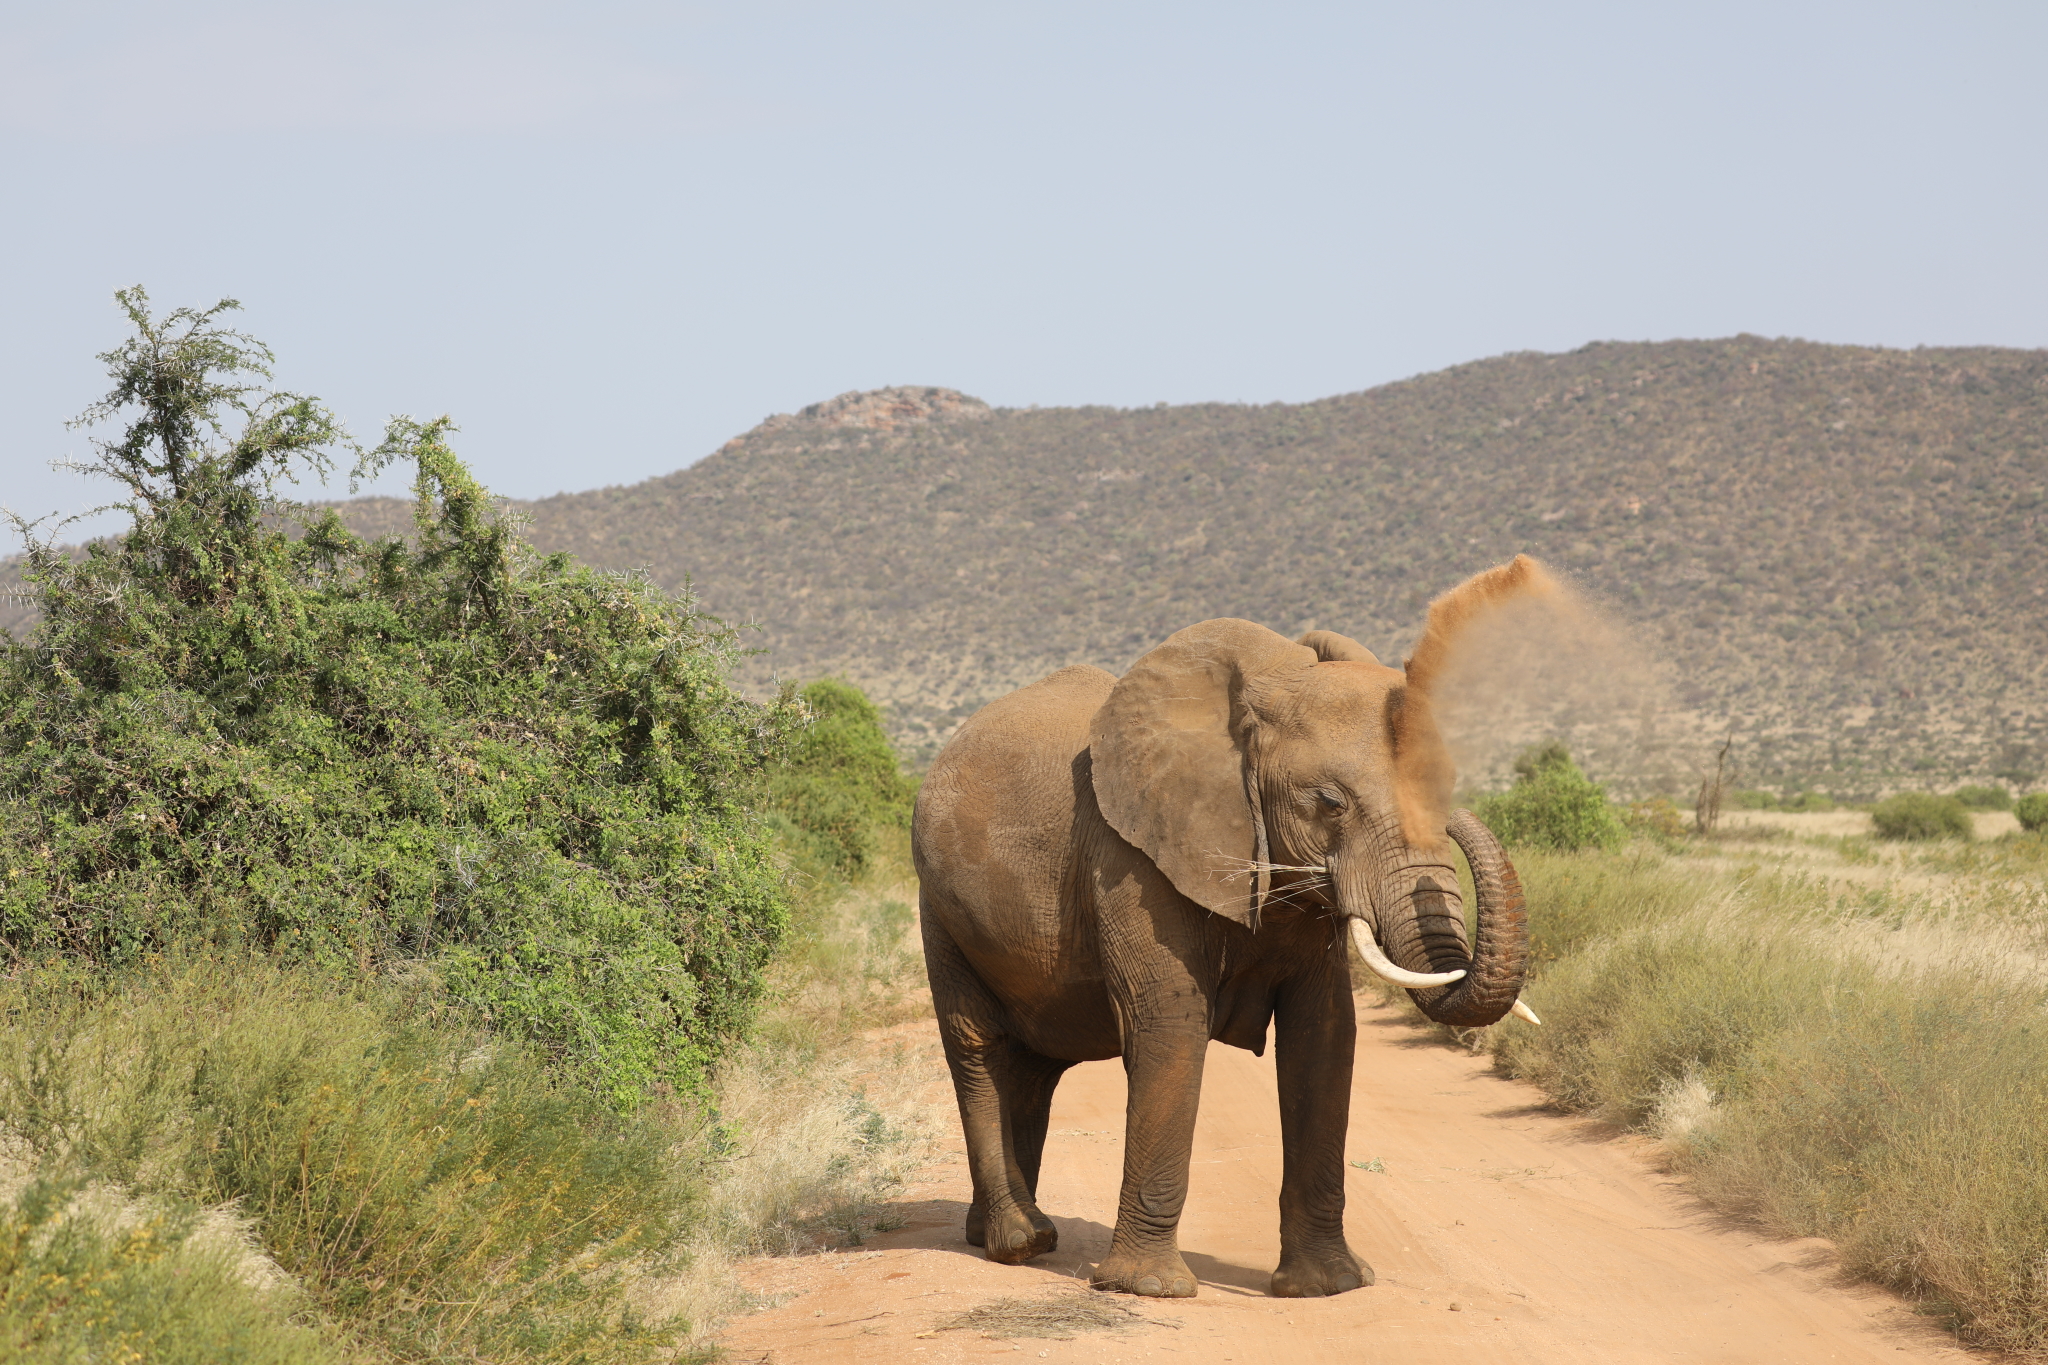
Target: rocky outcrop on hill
886, 410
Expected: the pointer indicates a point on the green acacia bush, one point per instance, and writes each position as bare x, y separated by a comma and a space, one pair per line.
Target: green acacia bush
1552, 805
534, 777
1984, 798
1920, 815
2032, 812
841, 788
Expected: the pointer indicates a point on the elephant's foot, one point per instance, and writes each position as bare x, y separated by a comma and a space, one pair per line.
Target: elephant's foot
1156, 1275
1312, 1276
1020, 1233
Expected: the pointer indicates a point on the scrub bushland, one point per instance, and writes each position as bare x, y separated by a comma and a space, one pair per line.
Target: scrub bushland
532, 776
1832, 1060
388, 921
399, 1184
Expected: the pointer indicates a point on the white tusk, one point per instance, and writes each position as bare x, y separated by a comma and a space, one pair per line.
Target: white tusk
1524, 1011
1369, 949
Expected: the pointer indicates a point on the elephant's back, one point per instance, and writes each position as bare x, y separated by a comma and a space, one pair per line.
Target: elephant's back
1007, 775
1049, 719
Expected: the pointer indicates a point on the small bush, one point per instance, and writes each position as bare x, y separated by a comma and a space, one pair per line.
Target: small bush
1552, 805
1984, 798
841, 788
2032, 812
1655, 816
1807, 801
1920, 815
1755, 798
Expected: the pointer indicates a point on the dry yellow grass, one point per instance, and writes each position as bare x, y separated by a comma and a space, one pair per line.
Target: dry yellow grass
820, 1121
1833, 1047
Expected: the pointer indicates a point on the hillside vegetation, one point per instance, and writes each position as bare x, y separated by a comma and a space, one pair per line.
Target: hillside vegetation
1836, 551
1833, 551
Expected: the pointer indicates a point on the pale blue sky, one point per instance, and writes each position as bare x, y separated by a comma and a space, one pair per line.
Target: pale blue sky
607, 237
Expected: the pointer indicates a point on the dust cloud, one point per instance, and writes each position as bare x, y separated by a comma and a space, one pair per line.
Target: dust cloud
1552, 664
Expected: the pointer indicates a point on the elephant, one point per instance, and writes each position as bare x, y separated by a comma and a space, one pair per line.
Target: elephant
1133, 867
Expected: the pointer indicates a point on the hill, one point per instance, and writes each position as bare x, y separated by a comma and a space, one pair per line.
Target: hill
1834, 552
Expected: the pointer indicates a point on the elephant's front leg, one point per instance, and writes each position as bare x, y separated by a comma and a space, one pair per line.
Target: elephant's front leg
1163, 1063
1315, 1036
1158, 960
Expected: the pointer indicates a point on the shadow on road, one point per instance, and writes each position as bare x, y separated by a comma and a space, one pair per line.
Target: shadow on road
935, 1225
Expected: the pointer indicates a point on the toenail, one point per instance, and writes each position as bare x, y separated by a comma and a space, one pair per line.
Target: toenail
1149, 1285
1019, 1238
1347, 1282
1181, 1289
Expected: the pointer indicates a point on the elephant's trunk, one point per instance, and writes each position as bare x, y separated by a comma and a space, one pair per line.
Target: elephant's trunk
1423, 931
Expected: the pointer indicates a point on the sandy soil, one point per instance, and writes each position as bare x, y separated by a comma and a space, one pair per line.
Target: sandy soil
1500, 1231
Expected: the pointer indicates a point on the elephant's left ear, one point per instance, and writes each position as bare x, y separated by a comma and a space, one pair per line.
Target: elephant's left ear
1171, 761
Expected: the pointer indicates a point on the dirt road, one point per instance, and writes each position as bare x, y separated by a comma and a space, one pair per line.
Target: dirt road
1500, 1233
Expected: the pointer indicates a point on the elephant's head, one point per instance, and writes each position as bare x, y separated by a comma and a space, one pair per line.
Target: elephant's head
1255, 770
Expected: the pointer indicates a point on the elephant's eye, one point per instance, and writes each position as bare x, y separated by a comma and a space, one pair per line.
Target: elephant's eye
1330, 801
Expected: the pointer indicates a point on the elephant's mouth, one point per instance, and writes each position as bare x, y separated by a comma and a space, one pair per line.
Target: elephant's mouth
1488, 984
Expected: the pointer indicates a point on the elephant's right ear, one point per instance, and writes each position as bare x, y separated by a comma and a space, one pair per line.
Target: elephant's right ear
1171, 767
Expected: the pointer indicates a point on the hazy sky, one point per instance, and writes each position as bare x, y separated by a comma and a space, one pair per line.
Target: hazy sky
608, 236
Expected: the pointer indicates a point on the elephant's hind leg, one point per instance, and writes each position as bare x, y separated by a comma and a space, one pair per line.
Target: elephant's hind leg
1028, 1081
1033, 1079
987, 1081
